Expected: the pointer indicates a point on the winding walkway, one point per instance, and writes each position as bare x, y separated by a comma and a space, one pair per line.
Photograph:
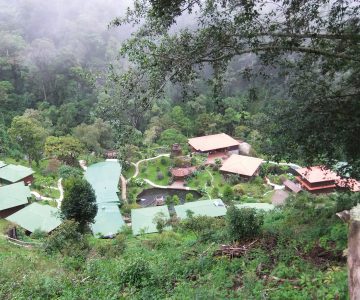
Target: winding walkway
58, 200
146, 159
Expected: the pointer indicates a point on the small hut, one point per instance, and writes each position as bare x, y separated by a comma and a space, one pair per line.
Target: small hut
176, 150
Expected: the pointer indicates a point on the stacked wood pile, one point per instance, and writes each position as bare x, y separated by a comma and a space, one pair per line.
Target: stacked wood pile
235, 250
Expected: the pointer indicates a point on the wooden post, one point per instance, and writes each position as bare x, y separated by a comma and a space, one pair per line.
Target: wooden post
353, 253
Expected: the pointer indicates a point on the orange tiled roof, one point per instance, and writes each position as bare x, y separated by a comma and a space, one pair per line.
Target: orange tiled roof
352, 184
241, 164
212, 142
317, 174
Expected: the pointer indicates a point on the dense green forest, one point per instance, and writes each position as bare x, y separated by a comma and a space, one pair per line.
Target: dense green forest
80, 78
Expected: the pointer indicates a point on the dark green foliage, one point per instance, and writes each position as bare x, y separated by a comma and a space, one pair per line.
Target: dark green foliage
205, 228
189, 197
114, 248
243, 224
346, 201
160, 175
79, 202
135, 272
66, 172
67, 240
228, 193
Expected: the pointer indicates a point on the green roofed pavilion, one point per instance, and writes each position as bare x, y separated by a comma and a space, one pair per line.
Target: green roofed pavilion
142, 219
108, 220
13, 195
36, 216
15, 173
257, 206
104, 179
210, 208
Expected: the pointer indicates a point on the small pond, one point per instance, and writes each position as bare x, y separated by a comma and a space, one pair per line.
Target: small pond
149, 195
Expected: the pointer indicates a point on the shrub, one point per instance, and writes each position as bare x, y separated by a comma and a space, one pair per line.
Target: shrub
163, 161
38, 234
233, 179
160, 176
157, 169
208, 182
160, 222
67, 240
215, 192
143, 169
176, 200
228, 193
189, 197
243, 223
135, 272
205, 228
115, 249
68, 171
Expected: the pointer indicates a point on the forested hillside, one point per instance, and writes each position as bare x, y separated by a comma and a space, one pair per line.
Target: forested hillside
174, 90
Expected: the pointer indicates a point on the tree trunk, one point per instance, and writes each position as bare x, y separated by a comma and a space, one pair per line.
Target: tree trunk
353, 251
354, 254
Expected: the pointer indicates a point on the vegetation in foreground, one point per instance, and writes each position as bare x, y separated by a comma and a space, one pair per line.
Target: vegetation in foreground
295, 253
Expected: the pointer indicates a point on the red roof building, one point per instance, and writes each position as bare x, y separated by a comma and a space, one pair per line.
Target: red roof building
214, 143
317, 179
181, 173
349, 183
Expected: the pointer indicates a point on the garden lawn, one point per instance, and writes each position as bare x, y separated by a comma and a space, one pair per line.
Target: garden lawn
203, 178
150, 169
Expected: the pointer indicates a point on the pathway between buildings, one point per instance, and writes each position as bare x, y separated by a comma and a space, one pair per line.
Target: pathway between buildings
123, 188
275, 186
291, 165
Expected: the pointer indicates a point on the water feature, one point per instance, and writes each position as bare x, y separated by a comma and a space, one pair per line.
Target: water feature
147, 197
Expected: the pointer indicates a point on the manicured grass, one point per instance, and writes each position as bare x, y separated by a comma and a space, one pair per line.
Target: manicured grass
256, 192
150, 169
206, 176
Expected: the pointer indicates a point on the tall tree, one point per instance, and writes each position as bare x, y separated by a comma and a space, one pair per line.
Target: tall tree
29, 135
79, 203
320, 41
65, 148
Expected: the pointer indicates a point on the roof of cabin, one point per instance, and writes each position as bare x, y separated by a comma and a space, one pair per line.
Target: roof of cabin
36, 216
317, 174
241, 164
213, 142
210, 208
14, 173
13, 195
142, 219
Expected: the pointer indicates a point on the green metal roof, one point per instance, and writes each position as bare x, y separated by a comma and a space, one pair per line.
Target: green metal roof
210, 208
108, 220
143, 218
2, 164
262, 206
36, 216
104, 178
14, 195
14, 173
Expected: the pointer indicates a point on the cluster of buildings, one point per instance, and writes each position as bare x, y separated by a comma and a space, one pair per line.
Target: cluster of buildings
234, 155
14, 201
